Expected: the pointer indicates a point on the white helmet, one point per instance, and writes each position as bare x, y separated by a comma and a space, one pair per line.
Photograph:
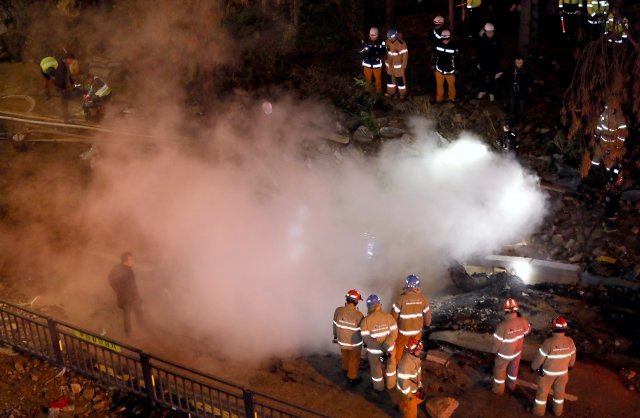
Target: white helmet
438, 20
373, 31
446, 34
488, 27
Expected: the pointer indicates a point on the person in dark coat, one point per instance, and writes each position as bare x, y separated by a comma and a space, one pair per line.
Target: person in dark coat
519, 81
64, 84
489, 55
122, 280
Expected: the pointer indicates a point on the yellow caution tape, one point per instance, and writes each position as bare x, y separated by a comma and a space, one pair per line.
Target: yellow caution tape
98, 341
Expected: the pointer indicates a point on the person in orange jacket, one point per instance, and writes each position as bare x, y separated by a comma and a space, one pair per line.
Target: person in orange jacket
346, 333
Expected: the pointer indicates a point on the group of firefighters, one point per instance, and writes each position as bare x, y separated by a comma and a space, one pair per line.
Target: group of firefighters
394, 346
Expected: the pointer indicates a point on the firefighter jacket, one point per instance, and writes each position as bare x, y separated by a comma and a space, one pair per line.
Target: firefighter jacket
373, 53
556, 355
509, 336
48, 62
472, 4
346, 326
411, 310
618, 26
436, 35
397, 57
509, 141
445, 57
612, 126
62, 76
570, 7
379, 331
598, 11
489, 54
409, 373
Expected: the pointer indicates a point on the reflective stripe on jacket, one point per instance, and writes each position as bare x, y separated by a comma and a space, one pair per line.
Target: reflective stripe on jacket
556, 355
411, 310
346, 326
379, 331
509, 336
445, 57
612, 126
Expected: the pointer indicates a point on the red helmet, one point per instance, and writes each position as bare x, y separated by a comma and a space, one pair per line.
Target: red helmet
414, 345
354, 295
559, 324
511, 305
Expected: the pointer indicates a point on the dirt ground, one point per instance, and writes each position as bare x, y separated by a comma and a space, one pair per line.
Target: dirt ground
314, 381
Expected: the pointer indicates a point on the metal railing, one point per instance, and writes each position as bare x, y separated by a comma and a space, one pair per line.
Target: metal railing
162, 382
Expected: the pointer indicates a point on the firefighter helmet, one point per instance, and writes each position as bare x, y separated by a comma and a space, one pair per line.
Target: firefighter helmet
511, 305
392, 34
414, 345
446, 34
373, 300
488, 27
438, 20
373, 31
412, 282
559, 323
353, 296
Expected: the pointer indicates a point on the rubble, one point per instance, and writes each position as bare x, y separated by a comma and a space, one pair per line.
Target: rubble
441, 407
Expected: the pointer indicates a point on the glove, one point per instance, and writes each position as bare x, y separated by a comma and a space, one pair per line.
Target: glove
420, 393
335, 341
385, 356
540, 371
498, 75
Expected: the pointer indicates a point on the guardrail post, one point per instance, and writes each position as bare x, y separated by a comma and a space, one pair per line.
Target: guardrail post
148, 381
248, 403
55, 342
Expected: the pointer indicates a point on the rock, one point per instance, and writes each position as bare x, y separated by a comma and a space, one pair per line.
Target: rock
576, 258
381, 121
76, 389
442, 407
19, 367
391, 132
363, 134
88, 393
569, 245
557, 239
406, 138
635, 229
35, 377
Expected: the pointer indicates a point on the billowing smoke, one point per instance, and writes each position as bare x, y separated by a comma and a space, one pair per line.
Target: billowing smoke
259, 242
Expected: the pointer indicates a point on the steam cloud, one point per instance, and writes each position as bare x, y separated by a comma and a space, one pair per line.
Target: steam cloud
246, 240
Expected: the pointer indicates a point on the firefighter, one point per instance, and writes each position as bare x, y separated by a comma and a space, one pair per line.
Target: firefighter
444, 65
436, 33
379, 331
570, 11
489, 54
410, 378
122, 280
93, 102
64, 84
48, 65
608, 145
475, 16
616, 28
412, 312
373, 53
553, 361
507, 345
597, 11
346, 333
396, 63
612, 190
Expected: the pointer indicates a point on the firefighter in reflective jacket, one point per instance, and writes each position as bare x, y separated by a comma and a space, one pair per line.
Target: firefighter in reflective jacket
48, 65
507, 344
597, 11
608, 146
412, 312
379, 332
570, 11
410, 378
616, 28
396, 63
554, 359
346, 333
444, 65
373, 52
